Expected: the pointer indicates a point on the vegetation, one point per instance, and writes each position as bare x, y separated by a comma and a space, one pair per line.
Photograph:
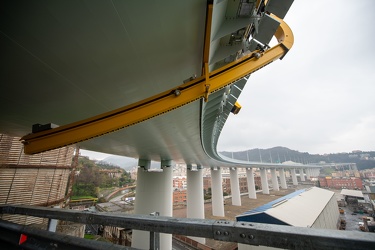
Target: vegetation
207, 194
91, 178
106, 165
74, 197
327, 171
89, 236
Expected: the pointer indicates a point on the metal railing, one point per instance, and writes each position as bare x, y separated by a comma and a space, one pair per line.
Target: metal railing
286, 237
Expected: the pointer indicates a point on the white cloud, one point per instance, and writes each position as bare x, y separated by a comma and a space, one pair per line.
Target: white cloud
360, 136
93, 155
320, 97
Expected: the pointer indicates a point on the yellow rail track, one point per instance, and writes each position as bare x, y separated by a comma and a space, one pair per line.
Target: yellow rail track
198, 88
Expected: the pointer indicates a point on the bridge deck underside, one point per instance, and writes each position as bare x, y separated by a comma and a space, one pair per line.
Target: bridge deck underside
67, 61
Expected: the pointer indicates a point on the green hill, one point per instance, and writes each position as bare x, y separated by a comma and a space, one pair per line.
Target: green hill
363, 159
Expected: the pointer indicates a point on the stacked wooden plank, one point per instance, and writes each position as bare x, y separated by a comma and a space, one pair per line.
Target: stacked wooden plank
39, 179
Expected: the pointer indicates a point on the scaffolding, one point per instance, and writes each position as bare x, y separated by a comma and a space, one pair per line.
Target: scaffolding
39, 180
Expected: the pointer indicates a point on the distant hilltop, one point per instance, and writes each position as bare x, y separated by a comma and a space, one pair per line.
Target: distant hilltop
363, 159
121, 161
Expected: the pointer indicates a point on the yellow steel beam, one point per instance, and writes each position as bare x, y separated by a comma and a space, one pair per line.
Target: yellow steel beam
158, 104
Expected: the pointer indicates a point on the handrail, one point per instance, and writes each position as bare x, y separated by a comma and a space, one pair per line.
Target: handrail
286, 237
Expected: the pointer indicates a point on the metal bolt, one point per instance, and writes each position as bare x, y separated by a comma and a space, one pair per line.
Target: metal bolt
257, 55
218, 232
243, 235
251, 237
226, 233
177, 92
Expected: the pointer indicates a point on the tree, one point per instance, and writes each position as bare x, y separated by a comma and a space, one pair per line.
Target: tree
91, 179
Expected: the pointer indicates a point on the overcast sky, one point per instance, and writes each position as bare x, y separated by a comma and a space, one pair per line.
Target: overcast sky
321, 97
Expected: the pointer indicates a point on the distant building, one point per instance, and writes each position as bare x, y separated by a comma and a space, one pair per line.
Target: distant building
370, 187
370, 174
206, 182
346, 173
113, 173
242, 181
179, 182
341, 182
352, 194
364, 156
313, 207
179, 196
118, 235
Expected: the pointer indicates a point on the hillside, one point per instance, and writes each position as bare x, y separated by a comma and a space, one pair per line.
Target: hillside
364, 160
121, 161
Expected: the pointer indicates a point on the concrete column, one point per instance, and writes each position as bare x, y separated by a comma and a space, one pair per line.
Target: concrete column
217, 193
154, 193
287, 173
308, 173
251, 183
263, 177
282, 179
275, 183
235, 187
301, 174
195, 198
316, 172
294, 176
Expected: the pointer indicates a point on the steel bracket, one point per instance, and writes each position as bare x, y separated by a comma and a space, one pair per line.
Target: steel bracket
223, 230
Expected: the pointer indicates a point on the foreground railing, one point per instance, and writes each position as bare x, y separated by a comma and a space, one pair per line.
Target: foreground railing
286, 237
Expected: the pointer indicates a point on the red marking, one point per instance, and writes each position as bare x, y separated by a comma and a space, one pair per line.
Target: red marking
23, 238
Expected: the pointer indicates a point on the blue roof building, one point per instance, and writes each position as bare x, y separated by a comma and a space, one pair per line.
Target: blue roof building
312, 207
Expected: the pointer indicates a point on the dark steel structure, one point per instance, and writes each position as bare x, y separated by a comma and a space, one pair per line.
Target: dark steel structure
285, 237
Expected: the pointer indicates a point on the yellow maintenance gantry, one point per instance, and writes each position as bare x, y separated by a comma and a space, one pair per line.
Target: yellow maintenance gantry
254, 55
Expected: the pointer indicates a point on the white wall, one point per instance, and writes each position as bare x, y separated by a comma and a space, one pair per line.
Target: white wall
328, 218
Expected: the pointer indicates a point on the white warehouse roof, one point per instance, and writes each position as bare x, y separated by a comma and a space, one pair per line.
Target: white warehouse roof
300, 209
354, 193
